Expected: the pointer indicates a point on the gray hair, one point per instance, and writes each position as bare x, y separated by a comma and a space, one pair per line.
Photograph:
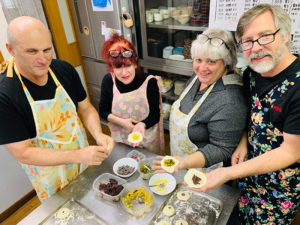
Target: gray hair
206, 50
282, 20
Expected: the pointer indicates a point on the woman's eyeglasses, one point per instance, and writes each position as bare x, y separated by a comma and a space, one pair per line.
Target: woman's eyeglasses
116, 53
214, 41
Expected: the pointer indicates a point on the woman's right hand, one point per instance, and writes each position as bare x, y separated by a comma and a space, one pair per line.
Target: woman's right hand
241, 151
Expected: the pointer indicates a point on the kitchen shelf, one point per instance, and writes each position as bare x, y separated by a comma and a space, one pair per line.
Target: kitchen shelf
170, 95
175, 25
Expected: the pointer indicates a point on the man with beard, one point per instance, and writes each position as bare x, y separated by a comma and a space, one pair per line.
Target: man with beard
270, 180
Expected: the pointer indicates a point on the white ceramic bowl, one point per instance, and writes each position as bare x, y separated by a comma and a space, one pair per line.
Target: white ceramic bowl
123, 162
169, 187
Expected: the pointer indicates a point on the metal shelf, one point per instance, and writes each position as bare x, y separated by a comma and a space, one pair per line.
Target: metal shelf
175, 25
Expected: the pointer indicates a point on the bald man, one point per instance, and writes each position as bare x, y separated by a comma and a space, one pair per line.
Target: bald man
42, 104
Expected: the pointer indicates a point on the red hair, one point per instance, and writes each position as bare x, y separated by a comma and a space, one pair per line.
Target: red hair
118, 42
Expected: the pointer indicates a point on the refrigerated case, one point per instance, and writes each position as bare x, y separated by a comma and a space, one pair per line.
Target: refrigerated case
93, 22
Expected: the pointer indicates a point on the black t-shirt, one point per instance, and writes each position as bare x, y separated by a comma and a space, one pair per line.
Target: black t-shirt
288, 118
153, 96
16, 117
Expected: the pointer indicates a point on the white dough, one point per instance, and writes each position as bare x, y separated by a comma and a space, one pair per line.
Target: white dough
168, 210
163, 222
188, 178
169, 169
181, 222
63, 213
183, 195
135, 137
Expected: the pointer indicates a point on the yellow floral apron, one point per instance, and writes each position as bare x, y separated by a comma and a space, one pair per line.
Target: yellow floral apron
59, 127
180, 143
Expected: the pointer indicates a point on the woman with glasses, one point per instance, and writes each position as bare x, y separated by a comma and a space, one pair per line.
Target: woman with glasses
208, 119
130, 101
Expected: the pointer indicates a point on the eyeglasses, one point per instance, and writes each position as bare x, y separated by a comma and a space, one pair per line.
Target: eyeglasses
214, 41
263, 40
116, 53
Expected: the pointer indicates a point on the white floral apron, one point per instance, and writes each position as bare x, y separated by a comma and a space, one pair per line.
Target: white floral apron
58, 127
180, 143
135, 105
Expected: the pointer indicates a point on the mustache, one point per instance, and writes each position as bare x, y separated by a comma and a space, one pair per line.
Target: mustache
260, 54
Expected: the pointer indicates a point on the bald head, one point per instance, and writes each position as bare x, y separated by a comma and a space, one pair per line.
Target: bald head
24, 25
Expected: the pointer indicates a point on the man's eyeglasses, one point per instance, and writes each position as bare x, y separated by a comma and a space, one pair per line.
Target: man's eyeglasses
263, 40
214, 41
116, 53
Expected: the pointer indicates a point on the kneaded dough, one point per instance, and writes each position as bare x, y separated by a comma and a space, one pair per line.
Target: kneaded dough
163, 222
181, 222
168, 210
63, 213
188, 178
183, 195
135, 137
169, 169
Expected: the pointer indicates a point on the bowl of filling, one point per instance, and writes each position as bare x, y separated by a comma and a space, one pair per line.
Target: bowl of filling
107, 186
125, 167
145, 168
137, 201
162, 183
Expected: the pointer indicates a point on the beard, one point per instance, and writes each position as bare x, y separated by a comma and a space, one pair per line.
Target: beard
266, 65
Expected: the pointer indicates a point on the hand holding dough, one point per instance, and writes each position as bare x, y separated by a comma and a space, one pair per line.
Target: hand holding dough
195, 179
168, 163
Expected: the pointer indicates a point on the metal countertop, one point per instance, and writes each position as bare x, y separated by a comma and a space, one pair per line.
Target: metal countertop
81, 190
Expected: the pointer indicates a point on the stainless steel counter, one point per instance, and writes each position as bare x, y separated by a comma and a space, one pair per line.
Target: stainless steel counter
81, 190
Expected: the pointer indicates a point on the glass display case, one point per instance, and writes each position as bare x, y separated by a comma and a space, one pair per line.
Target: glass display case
167, 29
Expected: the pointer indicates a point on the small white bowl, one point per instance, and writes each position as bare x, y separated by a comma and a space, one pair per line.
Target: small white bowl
169, 187
123, 162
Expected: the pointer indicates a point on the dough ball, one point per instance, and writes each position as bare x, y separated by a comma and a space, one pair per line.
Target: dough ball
63, 213
181, 222
135, 137
168, 163
168, 210
195, 179
163, 222
183, 195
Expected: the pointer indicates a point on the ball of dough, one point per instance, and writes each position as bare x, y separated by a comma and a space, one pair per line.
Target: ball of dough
163, 222
181, 222
168, 210
63, 213
183, 195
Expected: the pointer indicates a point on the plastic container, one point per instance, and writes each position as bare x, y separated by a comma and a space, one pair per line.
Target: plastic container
134, 154
145, 173
138, 201
104, 178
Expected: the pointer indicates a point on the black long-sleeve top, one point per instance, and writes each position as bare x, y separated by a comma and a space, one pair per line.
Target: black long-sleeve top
153, 96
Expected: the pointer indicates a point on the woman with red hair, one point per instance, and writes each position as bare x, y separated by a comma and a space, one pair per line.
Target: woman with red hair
130, 101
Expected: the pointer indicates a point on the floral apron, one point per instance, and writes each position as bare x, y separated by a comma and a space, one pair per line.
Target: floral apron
59, 127
271, 198
135, 105
180, 143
